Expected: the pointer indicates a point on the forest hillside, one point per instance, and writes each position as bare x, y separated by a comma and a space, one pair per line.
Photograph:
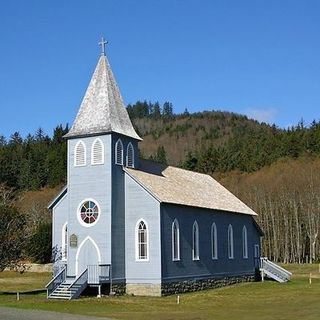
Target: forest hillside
286, 196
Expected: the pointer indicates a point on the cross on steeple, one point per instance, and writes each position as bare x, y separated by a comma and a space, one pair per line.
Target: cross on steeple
103, 43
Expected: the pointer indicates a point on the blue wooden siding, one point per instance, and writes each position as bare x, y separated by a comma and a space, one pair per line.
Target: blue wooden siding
105, 184
90, 181
141, 205
205, 266
118, 209
59, 218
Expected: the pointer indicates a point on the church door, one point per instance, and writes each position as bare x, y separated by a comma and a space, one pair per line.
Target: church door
88, 254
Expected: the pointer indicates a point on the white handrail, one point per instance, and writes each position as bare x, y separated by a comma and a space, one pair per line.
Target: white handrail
274, 265
269, 266
53, 279
279, 268
83, 272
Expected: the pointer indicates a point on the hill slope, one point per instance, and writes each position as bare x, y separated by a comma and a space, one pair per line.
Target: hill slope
222, 141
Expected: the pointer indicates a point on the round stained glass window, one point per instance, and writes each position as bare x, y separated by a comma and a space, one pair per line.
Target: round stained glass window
89, 212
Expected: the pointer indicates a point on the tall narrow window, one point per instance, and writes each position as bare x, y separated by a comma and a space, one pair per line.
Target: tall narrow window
214, 243
230, 242
97, 152
119, 152
130, 155
175, 241
64, 242
142, 241
195, 241
244, 242
80, 154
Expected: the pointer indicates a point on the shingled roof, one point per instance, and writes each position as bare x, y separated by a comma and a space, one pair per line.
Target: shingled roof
102, 109
179, 186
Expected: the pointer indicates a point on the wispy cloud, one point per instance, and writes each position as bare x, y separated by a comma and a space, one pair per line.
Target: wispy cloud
262, 114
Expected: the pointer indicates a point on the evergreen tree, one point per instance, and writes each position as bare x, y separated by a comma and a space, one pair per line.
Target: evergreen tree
161, 155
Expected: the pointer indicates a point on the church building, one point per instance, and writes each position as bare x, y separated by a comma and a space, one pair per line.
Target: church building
127, 225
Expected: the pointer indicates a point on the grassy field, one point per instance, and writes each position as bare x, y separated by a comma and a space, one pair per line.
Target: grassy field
14, 281
269, 300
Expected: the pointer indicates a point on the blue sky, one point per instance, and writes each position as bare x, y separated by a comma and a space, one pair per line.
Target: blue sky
261, 58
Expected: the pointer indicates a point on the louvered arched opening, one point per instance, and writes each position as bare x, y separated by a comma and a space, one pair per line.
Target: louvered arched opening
130, 155
80, 154
97, 152
119, 152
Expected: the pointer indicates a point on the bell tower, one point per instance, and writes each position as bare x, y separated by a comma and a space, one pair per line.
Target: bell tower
100, 142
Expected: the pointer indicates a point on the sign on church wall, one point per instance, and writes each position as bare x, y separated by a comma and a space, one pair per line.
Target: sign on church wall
73, 241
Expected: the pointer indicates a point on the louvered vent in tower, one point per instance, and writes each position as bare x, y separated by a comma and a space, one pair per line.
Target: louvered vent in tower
119, 152
97, 152
80, 154
130, 155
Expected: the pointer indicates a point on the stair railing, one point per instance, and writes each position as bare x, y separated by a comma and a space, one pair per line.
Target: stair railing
98, 274
81, 282
56, 281
270, 266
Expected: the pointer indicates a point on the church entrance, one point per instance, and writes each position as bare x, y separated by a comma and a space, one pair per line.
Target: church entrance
88, 254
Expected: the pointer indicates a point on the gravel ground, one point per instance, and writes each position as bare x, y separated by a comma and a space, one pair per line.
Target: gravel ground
22, 314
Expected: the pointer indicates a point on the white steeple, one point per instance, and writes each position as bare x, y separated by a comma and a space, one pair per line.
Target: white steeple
102, 109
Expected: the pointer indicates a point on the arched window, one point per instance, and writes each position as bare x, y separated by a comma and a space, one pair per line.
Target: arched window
175, 240
119, 153
214, 242
141, 241
230, 242
64, 242
97, 152
80, 154
195, 241
130, 155
244, 243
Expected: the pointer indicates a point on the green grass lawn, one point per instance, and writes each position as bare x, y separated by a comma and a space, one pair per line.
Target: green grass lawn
14, 281
296, 299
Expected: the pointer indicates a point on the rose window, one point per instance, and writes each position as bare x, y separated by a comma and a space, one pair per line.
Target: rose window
89, 212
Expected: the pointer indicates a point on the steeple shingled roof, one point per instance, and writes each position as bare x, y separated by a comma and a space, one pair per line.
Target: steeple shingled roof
102, 109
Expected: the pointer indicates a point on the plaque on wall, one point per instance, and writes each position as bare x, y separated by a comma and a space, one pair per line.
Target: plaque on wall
73, 241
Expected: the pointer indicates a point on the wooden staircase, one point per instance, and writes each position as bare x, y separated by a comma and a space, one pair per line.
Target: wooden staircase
273, 271
67, 288
66, 291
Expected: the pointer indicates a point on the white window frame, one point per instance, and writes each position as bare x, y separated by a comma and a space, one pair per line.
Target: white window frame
195, 241
64, 242
80, 142
257, 251
175, 248
116, 153
88, 225
138, 258
97, 140
130, 145
214, 241
244, 243
230, 242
